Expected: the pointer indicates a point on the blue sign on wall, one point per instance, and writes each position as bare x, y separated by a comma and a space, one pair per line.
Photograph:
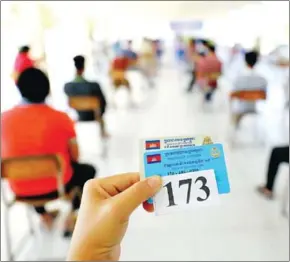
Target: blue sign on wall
186, 25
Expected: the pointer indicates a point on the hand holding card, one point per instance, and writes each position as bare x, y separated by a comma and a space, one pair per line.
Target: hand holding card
192, 176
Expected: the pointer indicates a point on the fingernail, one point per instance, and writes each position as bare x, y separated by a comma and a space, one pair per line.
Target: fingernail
154, 181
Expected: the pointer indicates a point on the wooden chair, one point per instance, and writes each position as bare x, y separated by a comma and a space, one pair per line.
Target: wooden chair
27, 168
88, 103
247, 96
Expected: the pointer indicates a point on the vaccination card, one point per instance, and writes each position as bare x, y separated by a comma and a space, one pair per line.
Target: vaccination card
167, 143
173, 163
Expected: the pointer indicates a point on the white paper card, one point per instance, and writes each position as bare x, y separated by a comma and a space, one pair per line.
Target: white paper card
186, 191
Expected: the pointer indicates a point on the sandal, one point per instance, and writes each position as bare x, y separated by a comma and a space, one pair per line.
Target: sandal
265, 192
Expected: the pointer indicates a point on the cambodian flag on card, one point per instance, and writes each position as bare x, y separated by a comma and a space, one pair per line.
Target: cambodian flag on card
185, 160
152, 144
152, 159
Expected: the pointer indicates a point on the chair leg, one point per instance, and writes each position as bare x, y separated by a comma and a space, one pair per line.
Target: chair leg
259, 132
285, 201
30, 220
10, 255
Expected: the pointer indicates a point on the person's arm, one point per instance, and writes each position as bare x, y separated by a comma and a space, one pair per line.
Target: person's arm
107, 204
97, 91
70, 135
73, 149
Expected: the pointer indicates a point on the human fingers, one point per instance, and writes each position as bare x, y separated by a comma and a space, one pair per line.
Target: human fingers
127, 201
113, 185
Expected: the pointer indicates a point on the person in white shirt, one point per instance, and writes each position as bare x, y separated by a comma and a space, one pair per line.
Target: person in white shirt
248, 81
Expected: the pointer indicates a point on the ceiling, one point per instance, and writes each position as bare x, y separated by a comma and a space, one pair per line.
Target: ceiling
166, 9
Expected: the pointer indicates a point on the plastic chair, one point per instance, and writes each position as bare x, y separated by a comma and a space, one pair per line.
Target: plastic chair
27, 168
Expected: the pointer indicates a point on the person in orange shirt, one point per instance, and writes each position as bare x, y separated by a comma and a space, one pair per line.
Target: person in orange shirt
34, 128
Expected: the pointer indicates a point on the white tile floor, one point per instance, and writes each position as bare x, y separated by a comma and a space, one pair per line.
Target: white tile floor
244, 227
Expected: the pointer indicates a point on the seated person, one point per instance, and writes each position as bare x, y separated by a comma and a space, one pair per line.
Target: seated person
34, 128
81, 87
248, 81
279, 155
118, 71
130, 54
23, 61
209, 70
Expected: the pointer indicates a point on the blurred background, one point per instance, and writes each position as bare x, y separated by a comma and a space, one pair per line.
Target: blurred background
160, 102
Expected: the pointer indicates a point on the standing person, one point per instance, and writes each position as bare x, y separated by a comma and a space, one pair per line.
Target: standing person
33, 128
278, 156
23, 61
81, 87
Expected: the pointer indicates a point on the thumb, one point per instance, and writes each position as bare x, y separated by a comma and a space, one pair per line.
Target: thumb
127, 201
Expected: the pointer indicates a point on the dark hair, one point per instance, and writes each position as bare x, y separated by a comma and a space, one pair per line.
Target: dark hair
204, 42
79, 61
24, 49
251, 58
33, 85
211, 47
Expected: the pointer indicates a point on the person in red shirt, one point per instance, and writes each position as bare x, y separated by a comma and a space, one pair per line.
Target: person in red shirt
34, 128
209, 70
118, 71
23, 61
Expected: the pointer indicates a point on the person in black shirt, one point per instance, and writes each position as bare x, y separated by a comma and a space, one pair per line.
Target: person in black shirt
81, 87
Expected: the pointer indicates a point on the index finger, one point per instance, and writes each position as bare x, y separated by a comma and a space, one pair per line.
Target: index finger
114, 185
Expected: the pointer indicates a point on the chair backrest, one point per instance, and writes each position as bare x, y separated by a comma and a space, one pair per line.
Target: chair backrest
34, 167
249, 95
83, 103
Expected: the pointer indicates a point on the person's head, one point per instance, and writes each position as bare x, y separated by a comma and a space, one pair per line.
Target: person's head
79, 62
33, 85
24, 49
251, 58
